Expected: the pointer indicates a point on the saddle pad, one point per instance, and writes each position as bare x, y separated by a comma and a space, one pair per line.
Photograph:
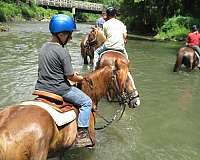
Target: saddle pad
112, 51
59, 118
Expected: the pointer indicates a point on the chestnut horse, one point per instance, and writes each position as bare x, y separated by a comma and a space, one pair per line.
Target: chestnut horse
29, 132
110, 58
123, 75
90, 43
186, 56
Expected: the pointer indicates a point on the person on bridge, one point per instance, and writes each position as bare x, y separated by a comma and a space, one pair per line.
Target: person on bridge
100, 21
116, 35
55, 69
193, 41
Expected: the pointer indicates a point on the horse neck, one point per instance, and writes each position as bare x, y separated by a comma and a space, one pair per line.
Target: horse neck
96, 84
100, 38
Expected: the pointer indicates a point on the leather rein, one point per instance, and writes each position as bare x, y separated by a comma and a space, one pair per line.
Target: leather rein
122, 99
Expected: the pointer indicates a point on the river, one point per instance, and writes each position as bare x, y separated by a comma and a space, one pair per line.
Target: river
165, 126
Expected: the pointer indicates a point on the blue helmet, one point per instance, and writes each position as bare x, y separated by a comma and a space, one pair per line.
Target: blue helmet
61, 23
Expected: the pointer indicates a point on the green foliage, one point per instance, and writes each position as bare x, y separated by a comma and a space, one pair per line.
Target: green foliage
11, 12
8, 11
27, 12
176, 28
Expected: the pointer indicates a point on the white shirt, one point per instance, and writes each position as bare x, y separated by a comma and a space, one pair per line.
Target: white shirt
114, 30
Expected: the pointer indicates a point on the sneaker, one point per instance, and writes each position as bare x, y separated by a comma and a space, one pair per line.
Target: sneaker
198, 65
83, 139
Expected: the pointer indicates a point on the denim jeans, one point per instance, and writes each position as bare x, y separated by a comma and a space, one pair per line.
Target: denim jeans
80, 99
101, 49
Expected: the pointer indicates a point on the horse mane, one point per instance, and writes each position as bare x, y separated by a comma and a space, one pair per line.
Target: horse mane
95, 84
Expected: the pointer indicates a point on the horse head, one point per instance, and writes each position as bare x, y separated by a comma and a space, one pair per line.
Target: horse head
124, 79
96, 37
131, 92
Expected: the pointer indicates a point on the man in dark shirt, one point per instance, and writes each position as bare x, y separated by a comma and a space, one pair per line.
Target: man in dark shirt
55, 69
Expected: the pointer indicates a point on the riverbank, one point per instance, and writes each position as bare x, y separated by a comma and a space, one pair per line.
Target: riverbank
4, 27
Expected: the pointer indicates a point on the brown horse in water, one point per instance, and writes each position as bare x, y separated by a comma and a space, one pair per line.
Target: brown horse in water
90, 43
111, 58
28, 132
186, 56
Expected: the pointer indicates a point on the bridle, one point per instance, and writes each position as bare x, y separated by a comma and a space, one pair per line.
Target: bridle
122, 102
93, 42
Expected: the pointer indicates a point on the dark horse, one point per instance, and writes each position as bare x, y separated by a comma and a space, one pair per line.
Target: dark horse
29, 132
111, 58
186, 56
90, 43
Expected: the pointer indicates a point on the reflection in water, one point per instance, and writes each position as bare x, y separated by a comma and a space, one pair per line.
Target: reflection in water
166, 125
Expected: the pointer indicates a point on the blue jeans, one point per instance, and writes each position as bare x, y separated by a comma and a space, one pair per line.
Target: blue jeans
101, 49
80, 99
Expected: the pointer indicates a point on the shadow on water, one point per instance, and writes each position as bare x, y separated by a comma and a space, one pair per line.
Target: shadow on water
166, 125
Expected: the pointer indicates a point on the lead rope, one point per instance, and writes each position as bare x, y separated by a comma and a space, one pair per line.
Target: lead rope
109, 122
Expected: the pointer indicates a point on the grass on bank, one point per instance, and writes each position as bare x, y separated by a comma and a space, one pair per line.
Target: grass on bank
176, 28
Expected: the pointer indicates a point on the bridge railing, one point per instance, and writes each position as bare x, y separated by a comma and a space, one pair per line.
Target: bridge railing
71, 3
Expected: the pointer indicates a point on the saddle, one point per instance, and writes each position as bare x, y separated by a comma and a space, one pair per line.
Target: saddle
54, 100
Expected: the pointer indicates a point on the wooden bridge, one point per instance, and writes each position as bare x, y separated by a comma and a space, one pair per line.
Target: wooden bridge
71, 4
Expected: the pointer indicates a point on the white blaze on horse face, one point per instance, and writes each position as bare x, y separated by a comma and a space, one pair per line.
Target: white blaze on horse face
131, 78
135, 101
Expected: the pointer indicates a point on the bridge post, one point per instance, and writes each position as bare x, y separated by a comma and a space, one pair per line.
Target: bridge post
74, 13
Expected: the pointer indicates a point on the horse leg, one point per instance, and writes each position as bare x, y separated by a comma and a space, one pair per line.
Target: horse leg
41, 152
85, 60
92, 128
91, 59
178, 63
191, 64
84, 54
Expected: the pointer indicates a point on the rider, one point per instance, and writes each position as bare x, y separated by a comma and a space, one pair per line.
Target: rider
193, 40
100, 21
55, 69
116, 35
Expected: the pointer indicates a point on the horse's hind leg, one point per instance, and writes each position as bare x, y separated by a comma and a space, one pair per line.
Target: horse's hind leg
176, 68
40, 150
191, 65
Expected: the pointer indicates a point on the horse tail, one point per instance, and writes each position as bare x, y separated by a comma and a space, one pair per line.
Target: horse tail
179, 60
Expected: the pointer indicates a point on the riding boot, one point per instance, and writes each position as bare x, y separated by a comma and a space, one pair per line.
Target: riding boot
83, 139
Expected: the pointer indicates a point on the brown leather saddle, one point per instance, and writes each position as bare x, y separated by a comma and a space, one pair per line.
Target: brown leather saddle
54, 100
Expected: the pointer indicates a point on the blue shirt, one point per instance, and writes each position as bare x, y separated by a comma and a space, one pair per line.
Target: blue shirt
100, 21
